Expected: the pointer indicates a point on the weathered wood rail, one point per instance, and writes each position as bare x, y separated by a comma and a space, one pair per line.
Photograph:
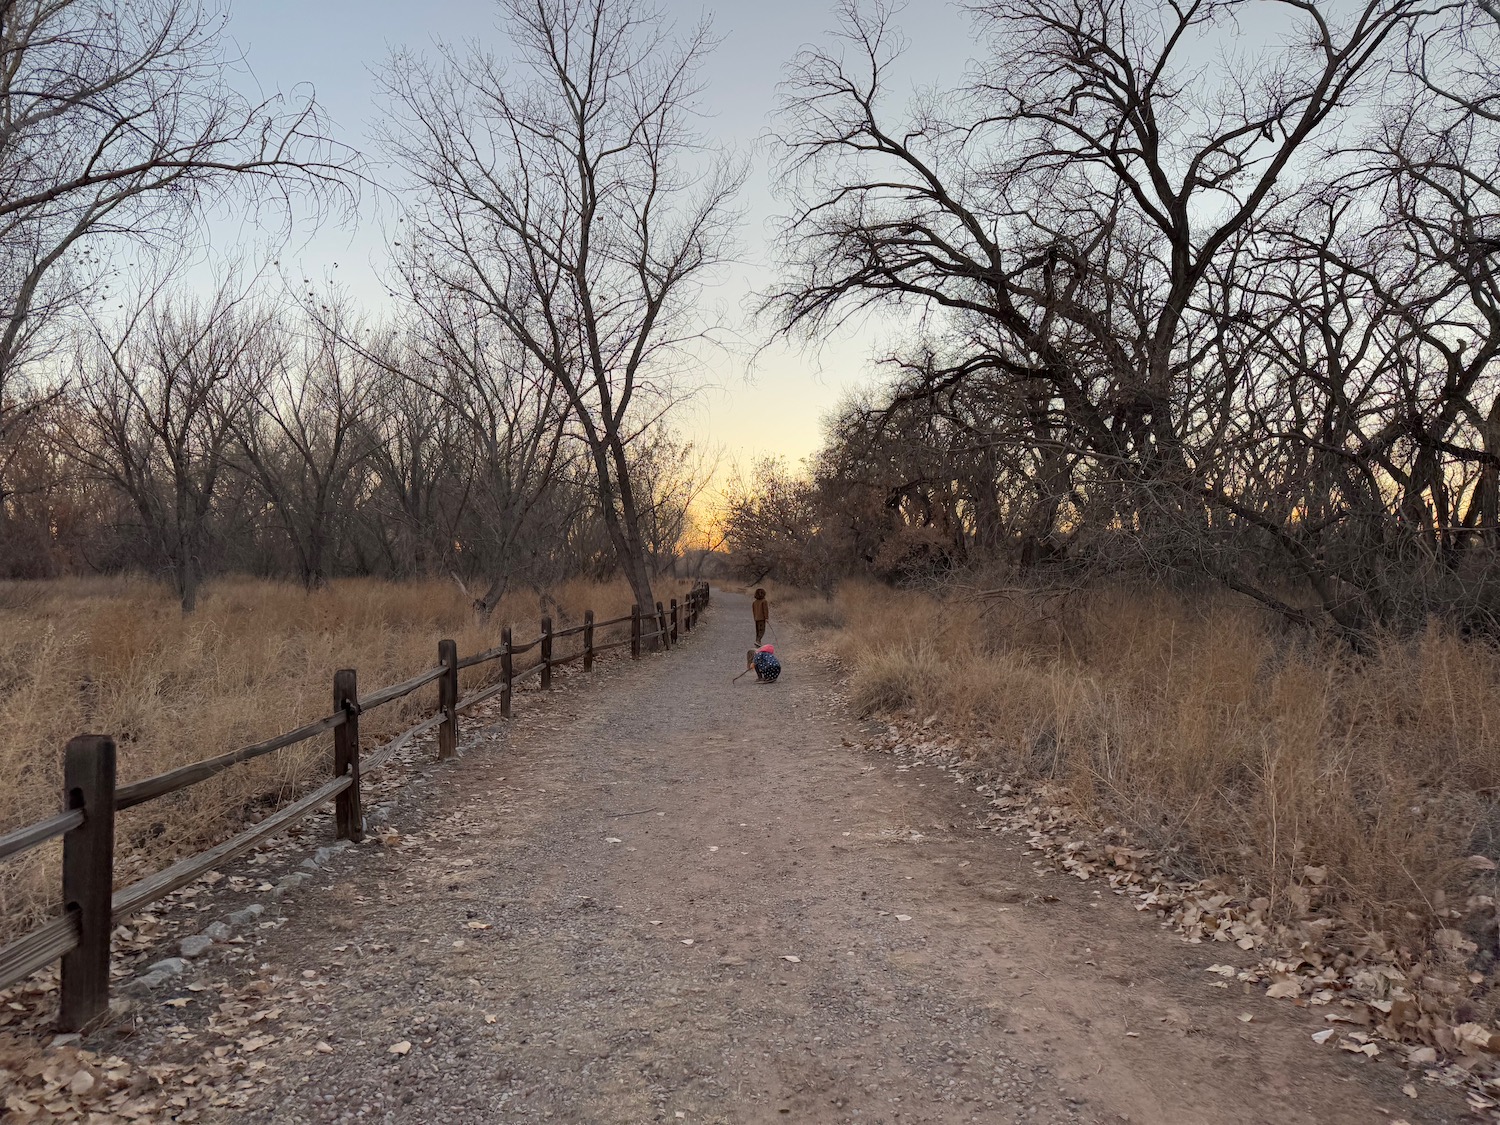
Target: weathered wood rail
80, 934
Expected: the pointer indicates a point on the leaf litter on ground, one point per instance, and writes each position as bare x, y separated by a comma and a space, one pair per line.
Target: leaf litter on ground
1413, 1004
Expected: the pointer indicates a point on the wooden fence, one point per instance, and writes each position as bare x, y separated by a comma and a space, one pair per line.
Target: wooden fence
80, 935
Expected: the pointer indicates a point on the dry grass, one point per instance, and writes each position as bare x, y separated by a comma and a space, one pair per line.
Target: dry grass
1208, 733
116, 656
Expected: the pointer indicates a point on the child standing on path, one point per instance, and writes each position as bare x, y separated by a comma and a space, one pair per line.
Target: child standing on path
762, 611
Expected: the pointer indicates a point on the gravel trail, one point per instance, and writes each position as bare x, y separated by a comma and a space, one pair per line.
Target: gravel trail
658, 896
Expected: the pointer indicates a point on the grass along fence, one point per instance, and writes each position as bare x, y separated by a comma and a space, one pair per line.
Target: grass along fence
80, 935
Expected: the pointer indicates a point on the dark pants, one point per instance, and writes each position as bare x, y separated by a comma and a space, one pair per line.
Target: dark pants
760, 631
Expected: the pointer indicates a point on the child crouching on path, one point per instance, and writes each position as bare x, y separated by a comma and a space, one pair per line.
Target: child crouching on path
764, 661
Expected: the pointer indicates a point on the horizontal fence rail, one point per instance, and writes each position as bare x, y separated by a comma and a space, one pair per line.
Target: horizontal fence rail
24, 839
80, 935
139, 792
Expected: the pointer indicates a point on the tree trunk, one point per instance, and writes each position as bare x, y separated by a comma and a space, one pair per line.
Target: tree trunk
486, 605
187, 582
621, 521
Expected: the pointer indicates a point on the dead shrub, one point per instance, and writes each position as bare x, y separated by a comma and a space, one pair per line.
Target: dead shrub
117, 656
1208, 732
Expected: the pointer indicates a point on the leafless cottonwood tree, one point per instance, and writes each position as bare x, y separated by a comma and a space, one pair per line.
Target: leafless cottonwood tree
418, 501
1119, 250
161, 397
307, 435
513, 413
670, 475
569, 197
120, 121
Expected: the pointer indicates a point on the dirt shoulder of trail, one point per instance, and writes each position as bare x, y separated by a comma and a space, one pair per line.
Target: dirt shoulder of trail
660, 896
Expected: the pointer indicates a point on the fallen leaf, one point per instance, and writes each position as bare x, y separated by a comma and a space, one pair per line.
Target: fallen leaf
613, 840
1284, 988
1245, 1017
1323, 1036
793, 959
687, 941
322, 1048
1409, 1090
903, 917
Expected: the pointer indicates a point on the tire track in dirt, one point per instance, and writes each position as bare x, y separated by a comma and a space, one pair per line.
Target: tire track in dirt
660, 897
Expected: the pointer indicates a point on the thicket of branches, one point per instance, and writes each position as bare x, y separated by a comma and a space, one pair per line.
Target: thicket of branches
504, 422
204, 435
1186, 306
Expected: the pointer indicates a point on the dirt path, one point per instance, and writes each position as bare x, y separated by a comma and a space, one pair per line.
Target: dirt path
661, 897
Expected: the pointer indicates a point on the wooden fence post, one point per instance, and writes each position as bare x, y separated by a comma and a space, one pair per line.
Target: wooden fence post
674, 621
635, 632
448, 699
662, 640
88, 877
349, 820
507, 672
588, 640
546, 653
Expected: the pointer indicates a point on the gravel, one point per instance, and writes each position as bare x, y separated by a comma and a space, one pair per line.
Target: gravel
657, 896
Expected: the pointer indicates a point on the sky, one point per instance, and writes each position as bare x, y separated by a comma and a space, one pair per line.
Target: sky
773, 406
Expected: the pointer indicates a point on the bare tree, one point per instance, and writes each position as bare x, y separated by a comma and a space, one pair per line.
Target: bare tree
420, 489
160, 398
307, 436
670, 476
513, 412
771, 526
569, 198
121, 121
1116, 248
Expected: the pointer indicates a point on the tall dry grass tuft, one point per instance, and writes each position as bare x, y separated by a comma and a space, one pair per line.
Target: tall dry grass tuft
1210, 733
117, 656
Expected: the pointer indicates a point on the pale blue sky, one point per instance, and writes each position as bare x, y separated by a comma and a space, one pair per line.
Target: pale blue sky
776, 408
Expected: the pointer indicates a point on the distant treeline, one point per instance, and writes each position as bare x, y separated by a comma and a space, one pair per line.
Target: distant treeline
227, 435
